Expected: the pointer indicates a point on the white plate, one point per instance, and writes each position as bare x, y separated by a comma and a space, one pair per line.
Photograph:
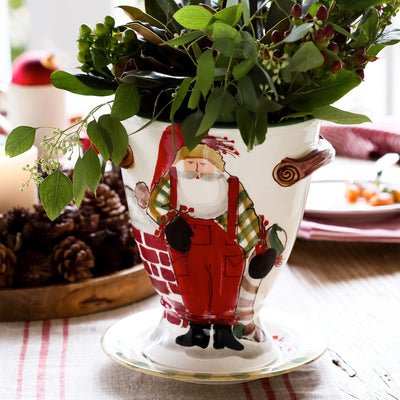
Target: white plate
299, 342
326, 199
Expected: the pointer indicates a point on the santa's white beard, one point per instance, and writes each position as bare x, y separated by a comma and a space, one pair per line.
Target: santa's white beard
206, 193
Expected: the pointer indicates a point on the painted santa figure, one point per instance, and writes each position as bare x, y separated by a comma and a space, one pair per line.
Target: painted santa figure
213, 235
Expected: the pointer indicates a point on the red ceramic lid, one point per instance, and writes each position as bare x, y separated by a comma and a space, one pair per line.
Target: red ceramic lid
33, 68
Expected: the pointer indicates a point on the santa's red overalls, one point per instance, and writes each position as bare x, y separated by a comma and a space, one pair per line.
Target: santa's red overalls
209, 274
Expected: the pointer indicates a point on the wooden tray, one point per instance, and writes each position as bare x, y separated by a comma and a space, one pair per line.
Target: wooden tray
73, 299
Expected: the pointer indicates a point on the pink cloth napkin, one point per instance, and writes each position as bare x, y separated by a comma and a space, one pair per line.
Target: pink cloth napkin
367, 142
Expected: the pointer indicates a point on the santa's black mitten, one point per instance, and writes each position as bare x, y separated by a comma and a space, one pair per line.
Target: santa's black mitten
262, 263
178, 233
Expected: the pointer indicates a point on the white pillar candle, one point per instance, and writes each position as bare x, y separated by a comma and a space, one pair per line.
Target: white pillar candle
12, 176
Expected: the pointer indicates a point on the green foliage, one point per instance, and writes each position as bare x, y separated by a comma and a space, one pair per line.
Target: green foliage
248, 63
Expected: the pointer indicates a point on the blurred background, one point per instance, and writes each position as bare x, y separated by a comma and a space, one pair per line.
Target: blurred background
53, 26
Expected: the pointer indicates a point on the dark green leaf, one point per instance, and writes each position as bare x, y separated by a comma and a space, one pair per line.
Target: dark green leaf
93, 169
277, 12
100, 138
245, 123
194, 98
212, 110
180, 96
242, 68
99, 59
138, 15
305, 58
79, 181
189, 127
329, 113
248, 94
82, 84
163, 10
205, 72
117, 135
126, 102
388, 38
274, 239
367, 30
228, 109
193, 17
56, 193
328, 92
20, 140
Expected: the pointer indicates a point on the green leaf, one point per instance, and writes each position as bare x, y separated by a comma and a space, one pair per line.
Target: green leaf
246, 12
329, 113
189, 127
325, 93
278, 11
117, 135
245, 123
193, 17
229, 15
205, 72
79, 181
185, 38
367, 30
228, 109
99, 58
93, 169
180, 95
194, 98
225, 38
137, 14
298, 32
305, 58
360, 4
100, 138
163, 11
20, 140
56, 193
126, 102
212, 110
388, 38
82, 84
249, 96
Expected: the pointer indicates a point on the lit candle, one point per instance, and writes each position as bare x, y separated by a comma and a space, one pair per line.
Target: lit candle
12, 176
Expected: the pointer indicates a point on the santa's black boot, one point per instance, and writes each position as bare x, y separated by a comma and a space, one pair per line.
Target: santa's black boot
198, 335
262, 263
223, 337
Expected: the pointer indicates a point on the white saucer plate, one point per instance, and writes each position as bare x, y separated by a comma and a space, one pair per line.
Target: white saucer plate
300, 343
326, 199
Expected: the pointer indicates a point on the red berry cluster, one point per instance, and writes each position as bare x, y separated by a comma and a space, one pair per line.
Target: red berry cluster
171, 216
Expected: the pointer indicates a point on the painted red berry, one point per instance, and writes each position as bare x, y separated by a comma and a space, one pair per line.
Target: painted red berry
322, 13
296, 11
336, 66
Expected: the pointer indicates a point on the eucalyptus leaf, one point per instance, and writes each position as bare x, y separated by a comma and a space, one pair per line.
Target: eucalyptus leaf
194, 98
205, 72
242, 68
333, 114
193, 17
248, 93
229, 15
180, 96
367, 30
245, 123
126, 102
298, 32
189, 127
79, 181
100, 138
56, 193
116, 134
212, 110
20, 140
82, 84
305, 58
92, 166
246, 12
388, 38
185, 38
228, 109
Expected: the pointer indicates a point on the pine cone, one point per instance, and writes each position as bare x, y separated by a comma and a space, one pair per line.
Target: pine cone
113, 179
105, 202
33, 268
73, 259
7, 262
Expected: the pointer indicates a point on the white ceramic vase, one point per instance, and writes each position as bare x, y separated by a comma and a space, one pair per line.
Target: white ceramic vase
215, 225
